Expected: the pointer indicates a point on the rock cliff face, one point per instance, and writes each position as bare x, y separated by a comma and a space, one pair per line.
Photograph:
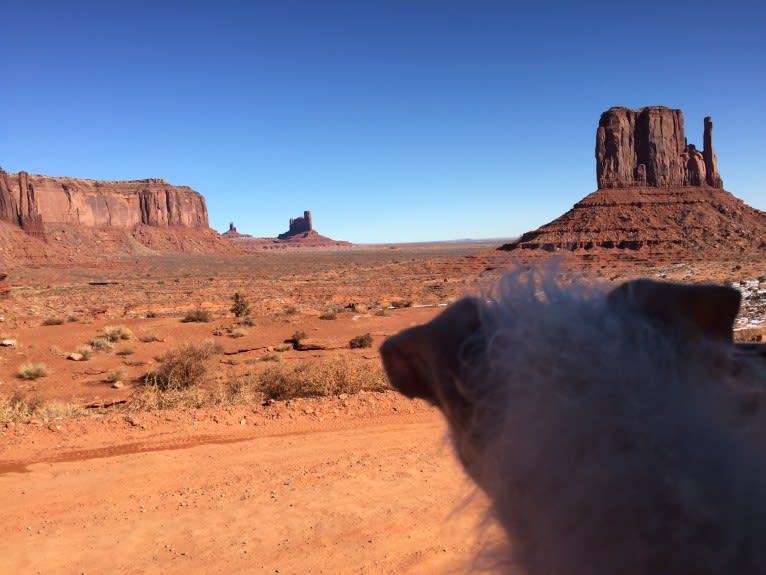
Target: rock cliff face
647, 147
33, 201
658, 195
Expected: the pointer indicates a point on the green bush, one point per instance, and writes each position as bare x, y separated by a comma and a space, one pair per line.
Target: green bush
240, 306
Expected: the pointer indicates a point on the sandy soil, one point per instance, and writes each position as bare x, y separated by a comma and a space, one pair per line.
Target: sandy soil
372, 490
350, 484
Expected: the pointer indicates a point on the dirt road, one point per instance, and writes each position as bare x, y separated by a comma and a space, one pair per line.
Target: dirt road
238, 493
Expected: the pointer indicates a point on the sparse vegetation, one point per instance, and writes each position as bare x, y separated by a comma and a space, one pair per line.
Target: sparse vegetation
125, 352
331, 377
237, 332
85, 350
116, 333
329, 314
401, 303
240, 306
197, 315
33, 371
101, 343
20, 407
115, 376
270, 357
296, 337
147, 338
183, 367
290, 310
283, 347
361, 341
53, 321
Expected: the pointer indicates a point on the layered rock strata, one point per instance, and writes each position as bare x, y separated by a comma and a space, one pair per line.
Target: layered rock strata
657, 193
647, 147
34, 201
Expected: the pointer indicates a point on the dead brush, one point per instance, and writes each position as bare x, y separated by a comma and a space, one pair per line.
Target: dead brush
101, 343
31, 371
181, 368
330, 377
115, 333
20, 407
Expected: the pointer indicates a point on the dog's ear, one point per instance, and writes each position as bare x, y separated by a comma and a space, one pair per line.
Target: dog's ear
418, 358
692, 309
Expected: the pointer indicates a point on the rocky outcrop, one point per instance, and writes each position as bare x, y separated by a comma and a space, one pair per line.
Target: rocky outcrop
35, 201
18, 203
298, 226
658, 195
647, 147
300, 235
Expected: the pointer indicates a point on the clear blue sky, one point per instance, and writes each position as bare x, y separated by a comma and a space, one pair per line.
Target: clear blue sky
391, 120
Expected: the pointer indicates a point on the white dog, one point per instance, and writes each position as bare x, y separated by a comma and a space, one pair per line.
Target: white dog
616, 433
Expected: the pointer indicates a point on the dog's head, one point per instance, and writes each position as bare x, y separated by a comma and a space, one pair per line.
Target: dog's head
441, 361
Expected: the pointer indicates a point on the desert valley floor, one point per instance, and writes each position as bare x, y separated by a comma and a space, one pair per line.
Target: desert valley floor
99, 476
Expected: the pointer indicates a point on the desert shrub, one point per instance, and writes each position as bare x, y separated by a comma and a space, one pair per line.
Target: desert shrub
329, 377
151, 397
270, 357
126, 352
72, 318
329, 314
117, 332
32, 370
100, 343
115, 376
183, 367
240, 306
283, 347
197, 315
238, 391
53, 321
400, 303
19, 407
290, 310
85, 350
296, 337
237, 333
147, 338
361, 341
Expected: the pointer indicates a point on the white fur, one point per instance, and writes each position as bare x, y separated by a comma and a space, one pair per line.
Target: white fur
609, 445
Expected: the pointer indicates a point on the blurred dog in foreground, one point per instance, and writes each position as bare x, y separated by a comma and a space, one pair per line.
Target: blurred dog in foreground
616, 433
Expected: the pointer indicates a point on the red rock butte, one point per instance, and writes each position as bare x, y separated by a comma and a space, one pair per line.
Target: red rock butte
300, 234
657, 195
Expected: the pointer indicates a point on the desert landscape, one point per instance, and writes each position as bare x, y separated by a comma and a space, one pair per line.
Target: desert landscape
172, 400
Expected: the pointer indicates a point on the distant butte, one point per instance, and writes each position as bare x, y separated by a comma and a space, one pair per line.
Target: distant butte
301, 233
657, 195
